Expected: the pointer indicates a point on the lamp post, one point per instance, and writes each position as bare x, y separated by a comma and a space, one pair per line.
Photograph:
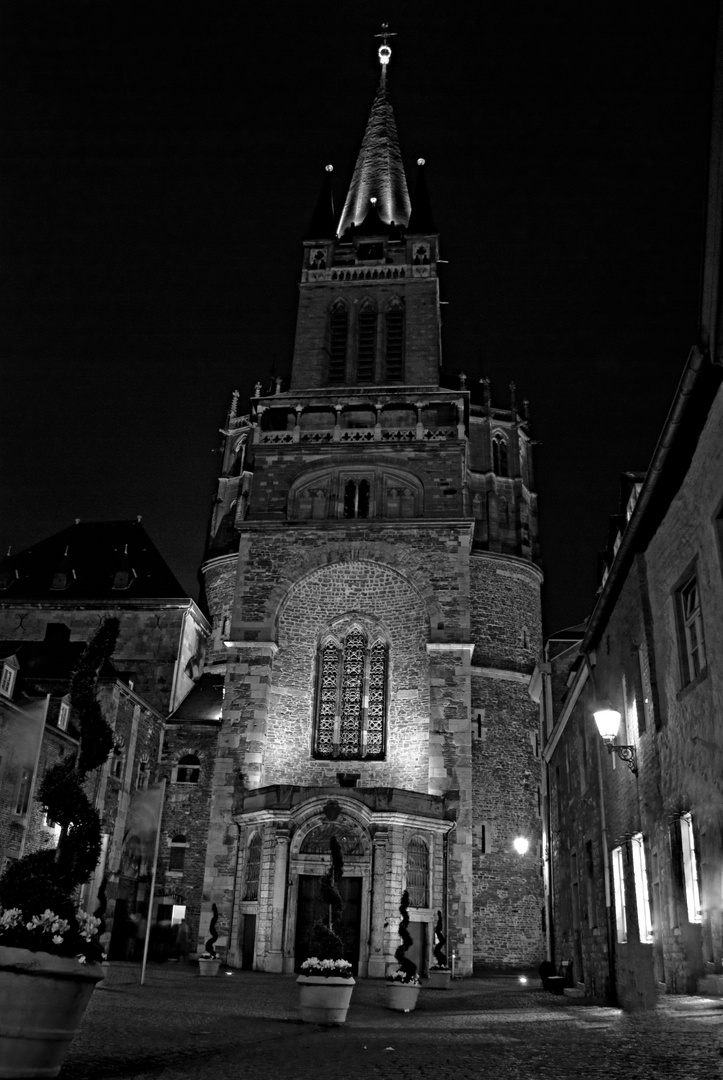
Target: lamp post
608, 722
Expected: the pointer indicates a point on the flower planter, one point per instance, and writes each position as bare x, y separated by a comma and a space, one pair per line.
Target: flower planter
439, 979
402, 996
324, 999
42, 1001
209, 966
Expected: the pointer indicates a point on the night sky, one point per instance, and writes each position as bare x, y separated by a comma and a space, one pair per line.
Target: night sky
160, 164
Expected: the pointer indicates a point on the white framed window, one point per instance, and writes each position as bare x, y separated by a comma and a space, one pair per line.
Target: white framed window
642, 894
691, 643
64, 714
621, 917
690, 869
7, 679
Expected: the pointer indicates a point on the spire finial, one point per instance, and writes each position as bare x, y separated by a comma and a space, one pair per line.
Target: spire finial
384, 52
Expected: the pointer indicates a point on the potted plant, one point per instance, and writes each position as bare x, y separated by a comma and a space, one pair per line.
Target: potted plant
440, 972
403, 983
326, 982
50, 956
208, 961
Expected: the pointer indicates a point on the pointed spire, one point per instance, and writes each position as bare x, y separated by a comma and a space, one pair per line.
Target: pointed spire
421, 219
323, 222
379, 172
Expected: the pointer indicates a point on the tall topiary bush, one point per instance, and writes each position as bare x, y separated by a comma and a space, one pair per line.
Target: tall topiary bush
326, 944
407, 968
47, 881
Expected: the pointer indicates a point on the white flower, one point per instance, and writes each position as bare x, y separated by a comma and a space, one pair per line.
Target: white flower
57, 939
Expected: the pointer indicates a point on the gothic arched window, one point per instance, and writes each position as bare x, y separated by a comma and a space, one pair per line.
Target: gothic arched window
418, 872
366, 343
356, 499
394, 357
338, 333
499, 454
253, 869
351, 698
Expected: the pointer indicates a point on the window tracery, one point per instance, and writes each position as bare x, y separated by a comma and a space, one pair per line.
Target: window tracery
351, 697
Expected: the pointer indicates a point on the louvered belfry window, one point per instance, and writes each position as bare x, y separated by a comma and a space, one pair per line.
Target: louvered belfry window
366, 345
395, 341
351, 698
338, 332
418, 873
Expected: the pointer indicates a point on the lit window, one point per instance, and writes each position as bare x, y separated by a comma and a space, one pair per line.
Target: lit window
690, 630
621, 921
188, 770
642, 897
253, 869
23, 793
177, 854
418, 873
690, 869
351, 698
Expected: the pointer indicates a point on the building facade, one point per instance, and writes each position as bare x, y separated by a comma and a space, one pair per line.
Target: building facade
633, 821
373, 584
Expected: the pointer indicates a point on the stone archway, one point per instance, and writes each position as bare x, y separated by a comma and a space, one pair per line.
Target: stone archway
309, 861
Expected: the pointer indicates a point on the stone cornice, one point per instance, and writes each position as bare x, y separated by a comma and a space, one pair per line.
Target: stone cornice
501, 673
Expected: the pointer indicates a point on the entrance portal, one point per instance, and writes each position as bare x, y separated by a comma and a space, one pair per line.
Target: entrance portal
311, 907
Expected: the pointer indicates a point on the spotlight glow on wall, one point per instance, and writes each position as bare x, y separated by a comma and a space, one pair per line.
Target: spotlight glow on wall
521, 844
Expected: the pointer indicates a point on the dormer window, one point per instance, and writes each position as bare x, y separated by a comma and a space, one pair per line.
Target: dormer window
60, 581
64, 714
7, 679
123, 579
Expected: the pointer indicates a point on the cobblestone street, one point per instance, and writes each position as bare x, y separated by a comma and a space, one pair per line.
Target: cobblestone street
246, 1024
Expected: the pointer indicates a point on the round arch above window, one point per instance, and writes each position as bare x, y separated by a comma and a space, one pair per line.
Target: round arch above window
356, 491
346, 834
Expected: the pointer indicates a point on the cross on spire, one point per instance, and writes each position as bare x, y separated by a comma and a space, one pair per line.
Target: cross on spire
384, 52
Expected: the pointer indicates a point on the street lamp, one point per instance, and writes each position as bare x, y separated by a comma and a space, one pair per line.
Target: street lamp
521, 845
608, 722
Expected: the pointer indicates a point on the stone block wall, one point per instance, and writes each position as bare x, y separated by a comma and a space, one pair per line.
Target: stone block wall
506, 619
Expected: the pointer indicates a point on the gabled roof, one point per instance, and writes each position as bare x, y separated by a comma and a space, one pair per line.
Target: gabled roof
90, 560
379, 172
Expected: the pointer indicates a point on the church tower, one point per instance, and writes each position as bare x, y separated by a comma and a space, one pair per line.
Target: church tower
371, 576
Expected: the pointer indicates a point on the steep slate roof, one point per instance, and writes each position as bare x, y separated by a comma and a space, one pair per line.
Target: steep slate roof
379, 172
203, 701
91, 555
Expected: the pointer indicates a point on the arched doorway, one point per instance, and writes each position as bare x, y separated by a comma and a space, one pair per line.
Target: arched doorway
312, 862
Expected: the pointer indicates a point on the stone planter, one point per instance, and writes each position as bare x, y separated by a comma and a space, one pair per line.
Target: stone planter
209, 966
324, 1000
42, 1001
402, 996
439, 978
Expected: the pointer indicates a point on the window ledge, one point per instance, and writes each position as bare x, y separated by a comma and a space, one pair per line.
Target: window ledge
685, 690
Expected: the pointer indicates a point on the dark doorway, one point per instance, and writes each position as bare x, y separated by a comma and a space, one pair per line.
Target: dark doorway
311, 907
418, 952
248, 942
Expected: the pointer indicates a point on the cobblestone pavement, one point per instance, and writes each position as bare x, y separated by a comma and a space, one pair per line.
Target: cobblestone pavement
246, 1024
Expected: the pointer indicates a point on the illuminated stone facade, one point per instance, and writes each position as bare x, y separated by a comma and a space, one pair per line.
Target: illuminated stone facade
374, 595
